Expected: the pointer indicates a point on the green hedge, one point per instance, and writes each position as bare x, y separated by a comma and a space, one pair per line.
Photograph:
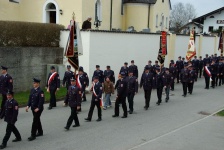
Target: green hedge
28, 34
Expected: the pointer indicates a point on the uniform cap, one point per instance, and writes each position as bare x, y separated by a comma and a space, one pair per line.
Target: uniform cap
73, 79
68, 66
80, 69
146, 68
52, 67
4, 68
156, 61
36, 80
108, 67
167, 69
126, 63
132, 61
150, 61
122, 74
96, 77
157, 68
97, 66
10, 93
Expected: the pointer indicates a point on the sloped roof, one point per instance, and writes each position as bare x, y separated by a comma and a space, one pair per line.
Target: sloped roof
143, 1
202, 18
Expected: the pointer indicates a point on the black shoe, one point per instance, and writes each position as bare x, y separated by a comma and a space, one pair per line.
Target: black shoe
158, 103
16, 140
75, 125
39, 134
167, 99
66, 128
115, 116
2, 146
31, 138
146, 108
184, 95
130, 112
99, 119
87, 119
49, 108
124, 117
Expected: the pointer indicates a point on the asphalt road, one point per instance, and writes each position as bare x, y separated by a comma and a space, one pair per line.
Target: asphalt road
176, 125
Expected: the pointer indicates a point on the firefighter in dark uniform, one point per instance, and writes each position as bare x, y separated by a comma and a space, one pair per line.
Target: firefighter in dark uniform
180, 66
207, 76
98, 73
149, 66
10, 114
6, 84
132, 89
109, 73
155, 66
36, 103
121, 96
192, 78
124, 69
133, 68
96, 99
159, 85
67, 76
86, 83
74, 100
184, 62
195, 64
147, 83
219, 77
173, 70
53, 85
167, 82
185, 76
206, 60
214, 72
200, 66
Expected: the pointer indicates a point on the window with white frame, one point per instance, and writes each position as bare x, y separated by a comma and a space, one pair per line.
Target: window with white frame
98, 10
157, 19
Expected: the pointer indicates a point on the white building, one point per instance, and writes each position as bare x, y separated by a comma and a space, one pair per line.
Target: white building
198, 28
212, 21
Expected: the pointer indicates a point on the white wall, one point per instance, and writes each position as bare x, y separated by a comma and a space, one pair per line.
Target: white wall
213, 21
108, 48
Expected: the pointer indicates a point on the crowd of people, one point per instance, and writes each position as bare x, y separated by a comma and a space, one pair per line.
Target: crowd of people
103, 85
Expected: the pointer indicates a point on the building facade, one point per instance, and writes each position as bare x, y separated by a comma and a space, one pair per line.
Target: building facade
212, 21
112, 14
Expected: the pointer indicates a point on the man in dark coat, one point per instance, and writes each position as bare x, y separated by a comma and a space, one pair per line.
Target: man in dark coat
74, 100
185, 76
108, 73
53, 85
121, 96
180, 66
10, 113
133, 68
147, 84
159, 85
87, 24
6, 84
98, 73
96, 99
124, 69
36, 103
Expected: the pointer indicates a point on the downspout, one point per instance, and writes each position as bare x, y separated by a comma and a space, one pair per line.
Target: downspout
111, 13
148, 16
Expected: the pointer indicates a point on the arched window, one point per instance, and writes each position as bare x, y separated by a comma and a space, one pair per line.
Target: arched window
157, 19
50, 12
98, 10
212, 17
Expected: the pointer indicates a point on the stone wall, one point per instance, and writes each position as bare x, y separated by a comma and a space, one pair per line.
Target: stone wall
24, 63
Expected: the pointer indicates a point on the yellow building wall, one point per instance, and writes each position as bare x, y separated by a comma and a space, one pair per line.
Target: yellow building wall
136, 15
158, 9
9, 11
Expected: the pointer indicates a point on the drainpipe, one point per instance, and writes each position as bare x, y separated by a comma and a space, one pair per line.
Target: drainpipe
111, 11
148, 16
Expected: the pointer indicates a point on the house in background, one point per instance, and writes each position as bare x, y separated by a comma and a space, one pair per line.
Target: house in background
198, 28
117, 14
211, 21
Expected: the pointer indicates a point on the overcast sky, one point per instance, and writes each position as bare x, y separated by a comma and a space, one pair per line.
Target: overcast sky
202, 6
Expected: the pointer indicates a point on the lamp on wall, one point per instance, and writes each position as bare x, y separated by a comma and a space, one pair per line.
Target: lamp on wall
61, 12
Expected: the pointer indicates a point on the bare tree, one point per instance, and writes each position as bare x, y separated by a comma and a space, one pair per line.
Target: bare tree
180, 15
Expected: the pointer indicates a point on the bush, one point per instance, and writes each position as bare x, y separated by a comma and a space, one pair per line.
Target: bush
28, 34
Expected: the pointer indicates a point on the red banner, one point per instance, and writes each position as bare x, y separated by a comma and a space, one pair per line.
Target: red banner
70, 43
164, 43
221, 42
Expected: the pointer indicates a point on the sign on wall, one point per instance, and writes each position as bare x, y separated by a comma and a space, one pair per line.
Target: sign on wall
220, 21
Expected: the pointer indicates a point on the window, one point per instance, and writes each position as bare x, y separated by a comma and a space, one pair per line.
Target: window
163, 1
221, 27
98, 15
212, 17
167, 22
162, 23
157, 19
14, 1
210, 28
